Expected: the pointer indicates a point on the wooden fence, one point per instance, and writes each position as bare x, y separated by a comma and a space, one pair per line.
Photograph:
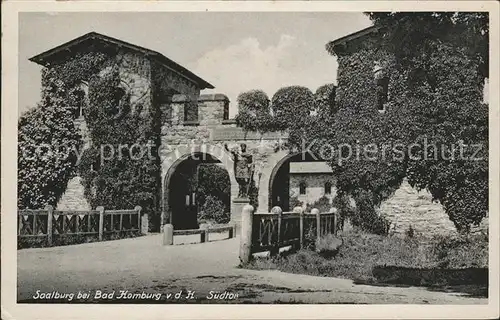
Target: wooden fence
49, 222
272, 231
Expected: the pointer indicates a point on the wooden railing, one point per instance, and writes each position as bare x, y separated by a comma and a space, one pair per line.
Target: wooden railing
49, 222
204, 232
272, 231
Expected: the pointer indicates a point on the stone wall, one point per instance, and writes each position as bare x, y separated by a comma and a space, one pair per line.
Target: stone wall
315, 187
73, 198
409, 207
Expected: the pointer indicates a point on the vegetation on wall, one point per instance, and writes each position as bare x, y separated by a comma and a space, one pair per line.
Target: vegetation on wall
48, 141
444, 57
435, 65
120, 169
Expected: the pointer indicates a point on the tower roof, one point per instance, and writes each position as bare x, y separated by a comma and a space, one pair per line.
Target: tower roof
333, 46
94, 39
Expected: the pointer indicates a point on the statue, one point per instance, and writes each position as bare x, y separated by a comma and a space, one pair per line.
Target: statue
243, 169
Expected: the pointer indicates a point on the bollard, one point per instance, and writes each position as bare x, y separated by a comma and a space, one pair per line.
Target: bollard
168, 235
318, 223
246, 234
50, 216
204, 234
276, 248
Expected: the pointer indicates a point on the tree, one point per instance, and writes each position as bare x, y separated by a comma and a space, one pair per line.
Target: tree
254, 113
213, 183
48, 144
292, 106
324, 100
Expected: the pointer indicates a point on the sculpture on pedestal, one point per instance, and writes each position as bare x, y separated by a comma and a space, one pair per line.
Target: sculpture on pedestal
243, 169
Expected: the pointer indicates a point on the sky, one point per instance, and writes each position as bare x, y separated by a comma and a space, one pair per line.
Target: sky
234, 51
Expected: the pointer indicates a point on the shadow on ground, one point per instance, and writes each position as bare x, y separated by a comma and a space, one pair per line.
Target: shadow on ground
472, 282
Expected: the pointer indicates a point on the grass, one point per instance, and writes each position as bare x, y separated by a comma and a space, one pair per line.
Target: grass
375, 259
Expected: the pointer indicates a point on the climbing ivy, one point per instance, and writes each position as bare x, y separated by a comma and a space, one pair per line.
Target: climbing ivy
121, 168
48, 141
442, 91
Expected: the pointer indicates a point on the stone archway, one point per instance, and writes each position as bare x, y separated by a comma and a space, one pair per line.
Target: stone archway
276, 168
173, 160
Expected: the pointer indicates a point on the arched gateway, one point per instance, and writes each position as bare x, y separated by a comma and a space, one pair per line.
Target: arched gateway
194, 129
206, 135
179, 202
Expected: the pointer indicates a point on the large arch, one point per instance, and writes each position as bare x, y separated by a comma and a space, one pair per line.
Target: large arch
275, 164
173, 159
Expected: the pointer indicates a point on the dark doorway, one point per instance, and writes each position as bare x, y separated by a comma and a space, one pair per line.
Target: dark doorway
184, 198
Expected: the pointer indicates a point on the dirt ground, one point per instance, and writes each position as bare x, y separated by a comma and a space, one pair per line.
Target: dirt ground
197, 273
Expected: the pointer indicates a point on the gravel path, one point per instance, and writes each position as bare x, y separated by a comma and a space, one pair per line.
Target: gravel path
144, 265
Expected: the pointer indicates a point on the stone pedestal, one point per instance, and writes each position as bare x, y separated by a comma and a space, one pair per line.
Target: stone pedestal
236, 208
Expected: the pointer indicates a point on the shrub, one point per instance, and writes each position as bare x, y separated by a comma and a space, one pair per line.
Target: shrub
366, 217
213, 181
328, 246
213, 210
295, 202
322, 204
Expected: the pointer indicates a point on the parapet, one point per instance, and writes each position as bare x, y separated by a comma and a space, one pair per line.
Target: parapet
179, 98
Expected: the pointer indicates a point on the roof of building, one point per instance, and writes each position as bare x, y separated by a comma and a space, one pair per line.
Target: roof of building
202, 97
310, 167
65, 50
330, 46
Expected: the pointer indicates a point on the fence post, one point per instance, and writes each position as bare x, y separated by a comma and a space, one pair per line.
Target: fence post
334, 211
277, 210
246, 234
140, 223
50, 216
101, 221
300, 211
168, 235
318, 223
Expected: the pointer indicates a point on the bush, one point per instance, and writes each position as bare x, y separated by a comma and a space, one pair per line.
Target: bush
322, 204
213, 210
328, 246
366, 217
295, 202
361, 254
